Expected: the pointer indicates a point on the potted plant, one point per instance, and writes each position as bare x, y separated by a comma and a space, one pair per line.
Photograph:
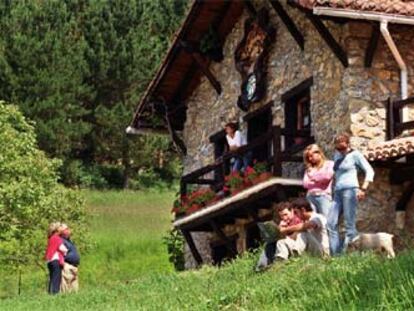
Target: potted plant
262, 172
180, 206
234, 182
250, 176
202, 197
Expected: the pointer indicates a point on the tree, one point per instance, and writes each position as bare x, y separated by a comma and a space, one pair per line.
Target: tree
126, 41
30, 196
78, 68
43, 69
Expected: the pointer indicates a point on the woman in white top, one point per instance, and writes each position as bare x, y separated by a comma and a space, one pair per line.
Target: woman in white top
235, 140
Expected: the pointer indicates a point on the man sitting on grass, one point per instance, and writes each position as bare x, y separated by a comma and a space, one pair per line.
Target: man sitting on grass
287, 218
308, 234
311, 234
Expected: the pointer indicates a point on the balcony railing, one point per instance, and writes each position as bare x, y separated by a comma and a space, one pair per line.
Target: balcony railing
395, 126
274, 160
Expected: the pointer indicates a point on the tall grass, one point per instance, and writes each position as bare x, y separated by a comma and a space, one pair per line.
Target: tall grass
126, 236
127, 228
128, 270
350, 283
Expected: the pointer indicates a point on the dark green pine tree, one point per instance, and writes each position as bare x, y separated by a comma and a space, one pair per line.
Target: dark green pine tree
44, 50
126, 42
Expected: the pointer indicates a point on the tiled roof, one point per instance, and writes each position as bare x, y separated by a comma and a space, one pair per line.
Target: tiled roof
399, 7
390, 149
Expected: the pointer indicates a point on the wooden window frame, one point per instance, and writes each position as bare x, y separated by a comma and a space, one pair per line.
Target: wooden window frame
301, 95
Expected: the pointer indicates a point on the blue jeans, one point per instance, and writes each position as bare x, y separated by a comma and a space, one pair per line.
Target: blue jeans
55, 276
240, 163
346, 202
320, 203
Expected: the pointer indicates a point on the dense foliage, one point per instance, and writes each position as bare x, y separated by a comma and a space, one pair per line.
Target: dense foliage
174, 241
78, 68
30, 196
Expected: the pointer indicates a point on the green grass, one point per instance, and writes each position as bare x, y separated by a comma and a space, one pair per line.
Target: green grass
349, 283
126, 235
122, 274
128, 229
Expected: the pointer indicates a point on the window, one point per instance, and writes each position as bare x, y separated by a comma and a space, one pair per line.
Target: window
259, 122
297, 114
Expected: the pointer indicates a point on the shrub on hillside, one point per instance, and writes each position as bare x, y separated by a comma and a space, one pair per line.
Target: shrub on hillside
30, 196
174, 241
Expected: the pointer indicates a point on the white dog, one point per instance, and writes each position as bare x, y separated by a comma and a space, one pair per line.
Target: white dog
380, 241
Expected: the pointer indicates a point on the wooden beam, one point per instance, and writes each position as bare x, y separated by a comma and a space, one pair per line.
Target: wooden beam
222, 236
233, 207
202, 181
403, 126
289, 23
328, 38
250, 8
251, 213
183, 187
398, 104
206, 71
181, 147
405, 198
194, 52
281, 194
189, 75
189, 239
390, 119
255, 113
299, 147
296, 90
402, 174
277, 152
372, 45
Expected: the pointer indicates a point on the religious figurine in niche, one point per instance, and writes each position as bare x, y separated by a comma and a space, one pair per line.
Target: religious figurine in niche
250, 57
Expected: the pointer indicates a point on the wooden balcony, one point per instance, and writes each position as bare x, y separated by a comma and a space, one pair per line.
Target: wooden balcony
276, 156
250, 203
395, 126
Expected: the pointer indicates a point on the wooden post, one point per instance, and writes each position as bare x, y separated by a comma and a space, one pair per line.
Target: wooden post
390, 119
250, 8
178, 142
192, 246
329, 39
277, 152
183, 188
372, 45
289, 23
222, 236
206, 71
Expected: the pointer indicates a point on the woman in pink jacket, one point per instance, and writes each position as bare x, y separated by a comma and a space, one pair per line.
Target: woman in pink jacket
318, 179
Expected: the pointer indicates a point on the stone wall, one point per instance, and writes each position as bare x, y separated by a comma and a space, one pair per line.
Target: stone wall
342, 99
368, 90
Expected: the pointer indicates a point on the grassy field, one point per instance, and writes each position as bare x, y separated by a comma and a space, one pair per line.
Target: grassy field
126, 233
131, 224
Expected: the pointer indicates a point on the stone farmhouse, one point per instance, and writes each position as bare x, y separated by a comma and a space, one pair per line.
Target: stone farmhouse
290, 73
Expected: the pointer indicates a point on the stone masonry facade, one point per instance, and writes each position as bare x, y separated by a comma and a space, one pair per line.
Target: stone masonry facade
348, 99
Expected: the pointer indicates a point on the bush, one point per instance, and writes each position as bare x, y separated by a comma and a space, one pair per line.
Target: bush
174, 241
30, 195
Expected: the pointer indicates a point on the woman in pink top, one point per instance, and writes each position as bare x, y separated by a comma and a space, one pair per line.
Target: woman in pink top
55, 252
318, 179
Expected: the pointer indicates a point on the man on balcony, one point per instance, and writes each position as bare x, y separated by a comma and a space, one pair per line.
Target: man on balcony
235, 140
